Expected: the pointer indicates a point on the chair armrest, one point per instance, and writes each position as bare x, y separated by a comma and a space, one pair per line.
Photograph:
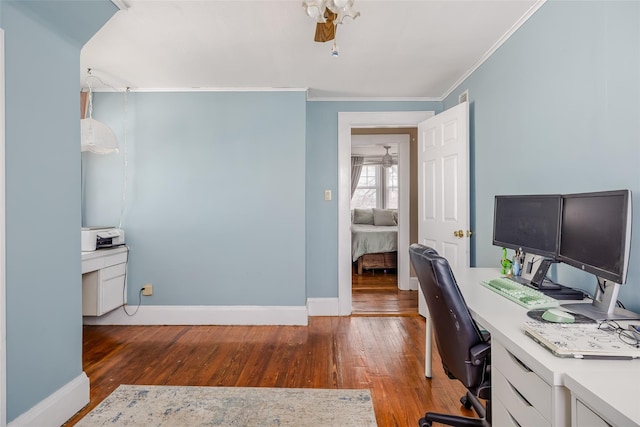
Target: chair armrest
480, 352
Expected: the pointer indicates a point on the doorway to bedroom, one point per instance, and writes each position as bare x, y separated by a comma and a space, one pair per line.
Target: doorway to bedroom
374, 215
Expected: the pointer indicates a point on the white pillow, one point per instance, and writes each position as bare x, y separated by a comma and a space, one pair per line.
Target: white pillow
383, 217
362, 216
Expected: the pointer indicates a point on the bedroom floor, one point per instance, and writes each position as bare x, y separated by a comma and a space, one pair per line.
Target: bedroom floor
376, 293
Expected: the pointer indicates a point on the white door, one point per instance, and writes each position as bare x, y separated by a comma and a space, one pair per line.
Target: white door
443, 184
443, 194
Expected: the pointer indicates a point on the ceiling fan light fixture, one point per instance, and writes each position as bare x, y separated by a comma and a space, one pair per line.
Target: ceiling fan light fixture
346, 15
343, 8
315, 9
387, 160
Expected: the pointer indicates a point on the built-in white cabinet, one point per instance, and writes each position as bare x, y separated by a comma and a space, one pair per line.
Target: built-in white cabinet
103, 280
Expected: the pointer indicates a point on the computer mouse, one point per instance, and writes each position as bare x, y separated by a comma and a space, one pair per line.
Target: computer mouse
558, 316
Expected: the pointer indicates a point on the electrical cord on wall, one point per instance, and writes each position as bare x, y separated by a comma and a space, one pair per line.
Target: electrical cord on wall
124, 157
125, 132
124, 290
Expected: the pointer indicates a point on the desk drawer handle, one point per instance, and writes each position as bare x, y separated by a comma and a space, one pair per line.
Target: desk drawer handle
524, 399
515, 422
519, 362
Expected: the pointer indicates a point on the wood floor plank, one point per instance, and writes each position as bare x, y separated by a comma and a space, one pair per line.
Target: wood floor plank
376, 292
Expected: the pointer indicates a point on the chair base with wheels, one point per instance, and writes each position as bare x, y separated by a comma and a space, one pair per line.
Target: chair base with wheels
468, 401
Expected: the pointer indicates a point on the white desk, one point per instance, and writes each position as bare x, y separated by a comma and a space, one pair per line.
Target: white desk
534, 387
103, 280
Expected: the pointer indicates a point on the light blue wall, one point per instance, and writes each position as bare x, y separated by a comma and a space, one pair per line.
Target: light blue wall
216, 195
557, 110
214, 173
322, 174
42, 141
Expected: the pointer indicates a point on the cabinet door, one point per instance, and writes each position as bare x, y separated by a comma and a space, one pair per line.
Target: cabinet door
112, 289
103, 290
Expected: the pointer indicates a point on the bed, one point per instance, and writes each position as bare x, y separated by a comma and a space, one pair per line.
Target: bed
374, 239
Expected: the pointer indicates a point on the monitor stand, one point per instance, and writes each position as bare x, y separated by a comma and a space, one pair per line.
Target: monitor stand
603, 306
534, 275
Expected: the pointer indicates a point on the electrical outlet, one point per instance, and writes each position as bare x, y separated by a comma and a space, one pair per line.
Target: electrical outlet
147, 290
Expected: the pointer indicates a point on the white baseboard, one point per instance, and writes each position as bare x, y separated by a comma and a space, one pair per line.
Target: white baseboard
413, 283
56, 409
203, 315
323, 306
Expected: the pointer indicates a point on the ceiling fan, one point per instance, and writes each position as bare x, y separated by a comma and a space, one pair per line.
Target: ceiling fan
329, 13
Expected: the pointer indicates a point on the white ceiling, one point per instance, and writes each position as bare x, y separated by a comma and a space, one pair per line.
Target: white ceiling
373, 145
395, 49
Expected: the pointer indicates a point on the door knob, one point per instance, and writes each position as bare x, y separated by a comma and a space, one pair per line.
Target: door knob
458, 233
469, 233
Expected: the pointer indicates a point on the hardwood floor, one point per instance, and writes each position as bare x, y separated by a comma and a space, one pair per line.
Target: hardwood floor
384, 354
375, 292
380, 347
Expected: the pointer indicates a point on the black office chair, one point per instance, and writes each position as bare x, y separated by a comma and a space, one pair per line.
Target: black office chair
464, 350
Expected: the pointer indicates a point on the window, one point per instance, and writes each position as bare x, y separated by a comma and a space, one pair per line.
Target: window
366, 194
377, 188
391, 187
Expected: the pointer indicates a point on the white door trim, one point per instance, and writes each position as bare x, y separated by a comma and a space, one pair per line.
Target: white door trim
346, 121
3, 270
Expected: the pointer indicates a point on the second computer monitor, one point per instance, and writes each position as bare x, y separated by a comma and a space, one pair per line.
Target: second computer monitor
596, 233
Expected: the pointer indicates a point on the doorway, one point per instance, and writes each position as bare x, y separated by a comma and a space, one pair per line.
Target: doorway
375, 286
346, 122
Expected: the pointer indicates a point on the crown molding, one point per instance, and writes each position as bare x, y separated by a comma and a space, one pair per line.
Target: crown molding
120, 4
200, 89
528, 14
369, 99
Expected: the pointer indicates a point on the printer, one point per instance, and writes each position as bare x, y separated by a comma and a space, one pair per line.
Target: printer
93, 238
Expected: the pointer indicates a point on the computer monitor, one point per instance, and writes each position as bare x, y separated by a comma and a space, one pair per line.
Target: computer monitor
595, 236
528, 222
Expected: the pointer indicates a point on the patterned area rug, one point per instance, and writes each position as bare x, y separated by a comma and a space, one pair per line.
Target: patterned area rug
170, 406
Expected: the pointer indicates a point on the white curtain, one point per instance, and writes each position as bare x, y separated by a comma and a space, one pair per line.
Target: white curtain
356, 170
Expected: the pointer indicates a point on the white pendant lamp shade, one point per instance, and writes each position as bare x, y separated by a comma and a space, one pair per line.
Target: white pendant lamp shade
96, 137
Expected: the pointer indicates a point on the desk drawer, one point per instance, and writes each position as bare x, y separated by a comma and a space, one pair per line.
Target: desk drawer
584, 417
113, 271
520, 412
115, 258
526, 382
